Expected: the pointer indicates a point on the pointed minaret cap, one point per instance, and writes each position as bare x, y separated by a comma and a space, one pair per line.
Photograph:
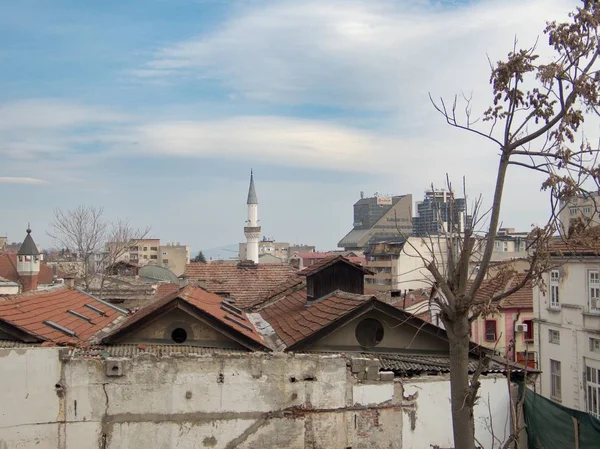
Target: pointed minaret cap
28, 247
252, 199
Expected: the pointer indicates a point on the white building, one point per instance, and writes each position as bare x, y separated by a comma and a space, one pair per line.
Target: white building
581, 208
567, 334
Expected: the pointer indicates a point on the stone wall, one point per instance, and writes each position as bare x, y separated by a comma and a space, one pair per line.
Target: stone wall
51, 399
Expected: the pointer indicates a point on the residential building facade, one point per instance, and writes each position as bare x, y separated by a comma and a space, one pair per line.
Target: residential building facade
567, 334
581, 208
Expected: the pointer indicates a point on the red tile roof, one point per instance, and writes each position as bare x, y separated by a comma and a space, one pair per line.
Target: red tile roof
246, 284
207, 302
28, 312
8, 269
328, 261
521, 299
165, 289
293, 321
586, 243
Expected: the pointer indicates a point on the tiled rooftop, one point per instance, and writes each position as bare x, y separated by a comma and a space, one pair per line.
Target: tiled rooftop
60, 316
246, 284
522, 299
214, 305
293, 321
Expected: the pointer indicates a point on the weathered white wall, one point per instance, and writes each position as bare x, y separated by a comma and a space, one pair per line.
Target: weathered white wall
430, 421
220, 401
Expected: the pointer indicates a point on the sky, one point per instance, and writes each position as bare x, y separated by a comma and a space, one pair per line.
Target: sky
157, 110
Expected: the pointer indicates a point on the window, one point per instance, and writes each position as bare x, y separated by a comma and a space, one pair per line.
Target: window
490, 330
133, 248
592, 380
555, 392
179, 335
595, 344
165, 261
554, 336
573, 210
526, 358
153, 257
498, 245
529, 332
505, 246
594, 290
310, 288
145, 248
587, 210
145, 257
153, 248
554, 280
369, 332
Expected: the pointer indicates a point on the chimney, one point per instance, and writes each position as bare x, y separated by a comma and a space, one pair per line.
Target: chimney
70, 282
29, 283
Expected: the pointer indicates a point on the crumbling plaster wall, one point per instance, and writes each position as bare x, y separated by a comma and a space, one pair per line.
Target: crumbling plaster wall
52, 400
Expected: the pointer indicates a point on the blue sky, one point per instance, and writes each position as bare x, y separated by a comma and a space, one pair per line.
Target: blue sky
157, 110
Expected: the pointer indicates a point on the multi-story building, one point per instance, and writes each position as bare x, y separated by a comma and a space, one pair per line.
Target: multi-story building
267, 246
399, 264
567, 327
509, 330
3, 241
378, 217
439, 212
173, 256
582, 208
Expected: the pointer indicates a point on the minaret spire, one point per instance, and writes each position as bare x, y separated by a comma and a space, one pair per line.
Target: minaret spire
252, 229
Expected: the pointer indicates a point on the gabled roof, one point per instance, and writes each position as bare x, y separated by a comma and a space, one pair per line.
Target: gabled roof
28, 247
298, 324
327, 262
59, 316
245, 284
8, 269
230, 320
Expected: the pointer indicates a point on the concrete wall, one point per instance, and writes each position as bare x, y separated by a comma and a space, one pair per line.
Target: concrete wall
51, 400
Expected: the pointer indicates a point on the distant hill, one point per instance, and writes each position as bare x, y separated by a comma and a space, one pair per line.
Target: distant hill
220, 253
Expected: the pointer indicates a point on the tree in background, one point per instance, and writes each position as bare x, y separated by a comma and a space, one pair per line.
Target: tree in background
535, 123
96, 243
199, 258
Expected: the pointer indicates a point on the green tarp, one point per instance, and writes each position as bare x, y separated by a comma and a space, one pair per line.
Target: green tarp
552, 426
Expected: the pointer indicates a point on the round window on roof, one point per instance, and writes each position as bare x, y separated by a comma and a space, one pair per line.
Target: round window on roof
179, 335
369, 332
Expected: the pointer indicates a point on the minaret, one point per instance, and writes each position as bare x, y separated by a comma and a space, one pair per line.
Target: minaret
28, 263
252, 229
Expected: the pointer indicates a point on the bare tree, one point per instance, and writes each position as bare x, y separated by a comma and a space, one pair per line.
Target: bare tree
121, 237
97, 243
81, 230
534, 123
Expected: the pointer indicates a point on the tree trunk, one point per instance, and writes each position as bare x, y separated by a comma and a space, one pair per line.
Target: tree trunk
460, 390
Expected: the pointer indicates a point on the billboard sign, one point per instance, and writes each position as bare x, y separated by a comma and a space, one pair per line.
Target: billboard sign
384, 200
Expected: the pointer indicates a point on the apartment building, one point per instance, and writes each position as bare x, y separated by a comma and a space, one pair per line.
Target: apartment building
581, 208
173, 256
398, 264
567, 322
439, 211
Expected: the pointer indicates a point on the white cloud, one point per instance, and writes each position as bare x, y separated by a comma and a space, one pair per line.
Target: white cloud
15, 180
360, 54
54, 114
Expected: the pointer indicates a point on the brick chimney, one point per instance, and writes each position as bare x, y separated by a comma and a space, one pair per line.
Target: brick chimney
29, 282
